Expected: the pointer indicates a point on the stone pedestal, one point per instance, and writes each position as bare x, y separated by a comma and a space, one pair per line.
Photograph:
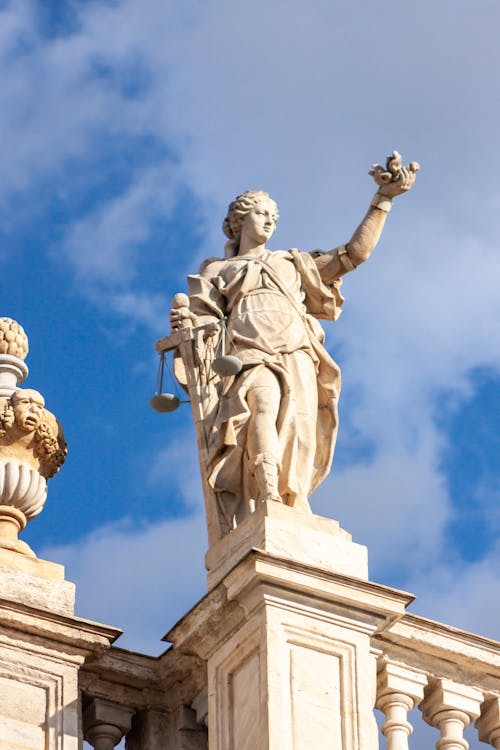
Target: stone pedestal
281, 530
287, 640
42, 647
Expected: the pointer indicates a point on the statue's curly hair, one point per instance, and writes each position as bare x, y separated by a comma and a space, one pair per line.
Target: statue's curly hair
236, 213
6, 416
50, 448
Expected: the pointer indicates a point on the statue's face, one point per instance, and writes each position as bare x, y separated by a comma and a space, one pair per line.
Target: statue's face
260, 222
28, 410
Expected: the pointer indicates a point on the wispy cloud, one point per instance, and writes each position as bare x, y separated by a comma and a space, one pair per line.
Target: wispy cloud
142, 578
105, 245
463, 595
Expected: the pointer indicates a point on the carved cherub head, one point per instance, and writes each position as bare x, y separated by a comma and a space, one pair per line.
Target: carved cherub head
28, 406
236, 212
31, 433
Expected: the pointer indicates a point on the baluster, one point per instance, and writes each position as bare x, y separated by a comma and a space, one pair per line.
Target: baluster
488, 724
103, 736
399, 689
451, 707
105, 723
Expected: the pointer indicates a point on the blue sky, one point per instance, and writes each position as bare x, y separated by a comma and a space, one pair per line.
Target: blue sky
126, 128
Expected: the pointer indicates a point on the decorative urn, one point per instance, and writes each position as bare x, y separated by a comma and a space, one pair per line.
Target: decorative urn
32, 445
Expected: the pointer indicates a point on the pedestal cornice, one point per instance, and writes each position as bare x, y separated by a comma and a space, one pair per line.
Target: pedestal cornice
261, 576
79, 636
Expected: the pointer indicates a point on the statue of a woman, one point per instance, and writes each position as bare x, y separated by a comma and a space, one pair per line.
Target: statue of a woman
272, 432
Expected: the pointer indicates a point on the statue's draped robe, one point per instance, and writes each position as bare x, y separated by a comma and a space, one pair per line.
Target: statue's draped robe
271, 322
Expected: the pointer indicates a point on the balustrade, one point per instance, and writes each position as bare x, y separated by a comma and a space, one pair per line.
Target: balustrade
399, 689
153, 702
447, 705
451, 707
452, 676
488, 724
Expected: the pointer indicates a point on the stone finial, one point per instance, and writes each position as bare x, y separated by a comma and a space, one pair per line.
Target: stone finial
32, 445
13, 339
13, 351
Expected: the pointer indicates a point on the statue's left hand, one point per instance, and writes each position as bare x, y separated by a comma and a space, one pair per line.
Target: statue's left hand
401, 184
394, 179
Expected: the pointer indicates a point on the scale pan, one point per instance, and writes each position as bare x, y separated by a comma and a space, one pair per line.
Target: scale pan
227, 365
164, 402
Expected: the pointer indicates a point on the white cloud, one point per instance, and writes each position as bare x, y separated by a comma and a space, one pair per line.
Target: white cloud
396, 504
139, 578
165, 469
142, 577
418, 319
466, 596
144, 308
105, 244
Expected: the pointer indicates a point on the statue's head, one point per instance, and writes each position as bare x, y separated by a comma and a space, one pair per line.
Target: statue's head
236, 212
28, 406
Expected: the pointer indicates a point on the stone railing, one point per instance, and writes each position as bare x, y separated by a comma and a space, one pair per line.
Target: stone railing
286, 652
451, 675
154, 702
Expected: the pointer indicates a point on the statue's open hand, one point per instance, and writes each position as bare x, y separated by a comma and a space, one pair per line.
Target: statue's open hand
395, 178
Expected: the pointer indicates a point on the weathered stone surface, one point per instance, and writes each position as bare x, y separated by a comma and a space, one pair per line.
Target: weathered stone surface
289, 655
32, 567
37, 591
289, 534
40, 655
35, 583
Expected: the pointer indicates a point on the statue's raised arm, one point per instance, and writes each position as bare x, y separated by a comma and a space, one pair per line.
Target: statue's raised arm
393, 180
269, 429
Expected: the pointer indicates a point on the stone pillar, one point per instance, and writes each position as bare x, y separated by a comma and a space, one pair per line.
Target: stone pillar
176, 730
287, 641
42, 648
451, 707
150, 729
399, 689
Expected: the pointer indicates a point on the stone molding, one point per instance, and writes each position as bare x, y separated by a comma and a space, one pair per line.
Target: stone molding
440, 649
145, 682
79, 636
231, 601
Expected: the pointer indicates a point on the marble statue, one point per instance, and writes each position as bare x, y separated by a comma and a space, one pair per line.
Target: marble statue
267, 432
32, 444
